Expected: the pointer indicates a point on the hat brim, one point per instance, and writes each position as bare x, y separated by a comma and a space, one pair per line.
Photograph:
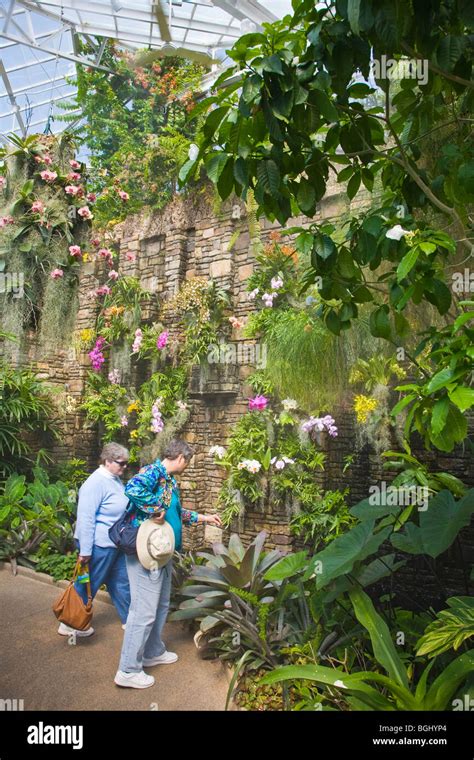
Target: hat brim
144, 535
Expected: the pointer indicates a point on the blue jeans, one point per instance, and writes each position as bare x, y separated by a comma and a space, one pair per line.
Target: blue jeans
150, 591
107, 565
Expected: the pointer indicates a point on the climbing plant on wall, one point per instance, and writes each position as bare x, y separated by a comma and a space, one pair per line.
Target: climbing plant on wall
44, 219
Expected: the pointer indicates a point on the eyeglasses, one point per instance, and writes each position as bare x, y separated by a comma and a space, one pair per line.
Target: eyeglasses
122, 464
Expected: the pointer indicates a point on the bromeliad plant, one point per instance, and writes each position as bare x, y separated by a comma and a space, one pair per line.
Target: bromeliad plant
228, 595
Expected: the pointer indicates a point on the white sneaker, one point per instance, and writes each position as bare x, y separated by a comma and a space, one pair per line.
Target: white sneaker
66, 630
134, 680
124, 625
164, 659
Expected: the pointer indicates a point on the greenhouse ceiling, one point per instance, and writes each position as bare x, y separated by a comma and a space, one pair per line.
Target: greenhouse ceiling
39, 44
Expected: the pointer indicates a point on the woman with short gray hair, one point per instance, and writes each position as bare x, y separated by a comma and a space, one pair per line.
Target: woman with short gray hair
102, 501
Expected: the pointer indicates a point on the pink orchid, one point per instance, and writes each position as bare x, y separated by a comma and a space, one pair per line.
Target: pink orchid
48, 176
38, 207
113, 275
85, 212
162, 340
96, 356
130, 256
56, 274
75, 250
104, 290
91, 197
74, 164
258, 403
124, 196
236, 323
71, 189
3, 182
4, 220
73, 176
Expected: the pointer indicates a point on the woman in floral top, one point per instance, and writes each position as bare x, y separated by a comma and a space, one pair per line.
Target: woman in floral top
153, 494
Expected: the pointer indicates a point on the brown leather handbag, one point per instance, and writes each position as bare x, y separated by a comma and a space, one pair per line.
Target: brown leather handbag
70, 609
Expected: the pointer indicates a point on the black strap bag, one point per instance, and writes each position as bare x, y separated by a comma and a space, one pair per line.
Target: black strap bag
123, 534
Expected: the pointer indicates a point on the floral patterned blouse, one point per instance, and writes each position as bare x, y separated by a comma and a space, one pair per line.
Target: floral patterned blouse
150, 491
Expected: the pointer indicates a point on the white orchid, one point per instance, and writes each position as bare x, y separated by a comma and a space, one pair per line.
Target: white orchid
396, 232
217, 451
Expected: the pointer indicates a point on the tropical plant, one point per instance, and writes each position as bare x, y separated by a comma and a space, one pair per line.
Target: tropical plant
298, 110
325, 519
35, 514
414, 473
451, 629
230, 592
135, 126
59, 566
200, 305
339, 565
391, 690
26, 407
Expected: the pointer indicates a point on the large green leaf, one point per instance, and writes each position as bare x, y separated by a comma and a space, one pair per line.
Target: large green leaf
382, 643
339, 557
287, 567
439, 525
445, 686
443, 520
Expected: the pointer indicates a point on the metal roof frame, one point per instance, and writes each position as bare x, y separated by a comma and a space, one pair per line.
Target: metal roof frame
197, 29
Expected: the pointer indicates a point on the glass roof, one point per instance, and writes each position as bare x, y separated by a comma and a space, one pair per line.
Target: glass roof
38, 44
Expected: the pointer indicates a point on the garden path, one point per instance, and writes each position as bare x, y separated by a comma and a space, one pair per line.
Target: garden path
40, 667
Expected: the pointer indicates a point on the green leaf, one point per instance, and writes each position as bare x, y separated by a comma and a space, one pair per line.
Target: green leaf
463, 397
339, 557
324, 106
323, 246
215, 166
269, 176
446, 685
353, 185
306, 197
287, 567
439, 415
353, 12
213, 120
443, 520
383, 646
379, 322
440, 380
449, 51
27, 188
407, 263
272, 64
462, 319
454, 431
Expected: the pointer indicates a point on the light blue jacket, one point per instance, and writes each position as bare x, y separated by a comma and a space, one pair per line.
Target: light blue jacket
102, 501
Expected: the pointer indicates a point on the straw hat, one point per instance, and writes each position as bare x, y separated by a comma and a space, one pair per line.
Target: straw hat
155, 544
